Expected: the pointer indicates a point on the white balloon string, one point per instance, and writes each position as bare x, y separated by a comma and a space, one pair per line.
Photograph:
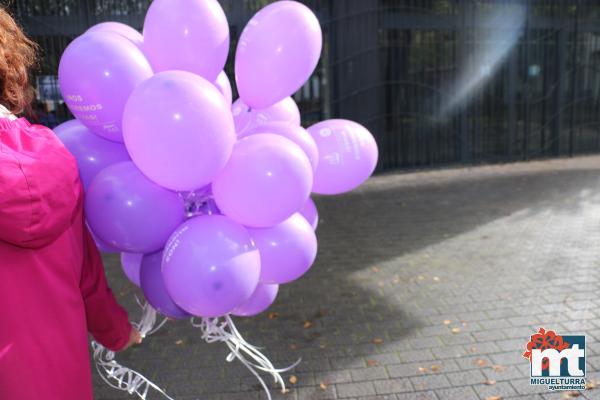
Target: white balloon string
122, 378
216, 330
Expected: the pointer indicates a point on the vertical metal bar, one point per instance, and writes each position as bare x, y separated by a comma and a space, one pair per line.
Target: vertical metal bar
559, 104
511, 104
575, 68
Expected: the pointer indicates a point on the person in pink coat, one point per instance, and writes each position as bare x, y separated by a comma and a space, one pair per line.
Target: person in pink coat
52, 285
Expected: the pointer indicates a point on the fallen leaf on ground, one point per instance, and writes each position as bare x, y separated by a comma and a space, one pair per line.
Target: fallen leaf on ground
322, 345
273, 315
293, 347
447, 322
323, 386
435, 368
293, 379
307, 325
489, 382
378, 340
473, 349
375, 269
455, 330
591, 385
436, 278
481, 362
499, 368
493, 398
372, 363
571, 395
179, 342
381, 284
422, 369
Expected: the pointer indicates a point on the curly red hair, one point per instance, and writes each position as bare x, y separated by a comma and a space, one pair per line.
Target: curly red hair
18, 55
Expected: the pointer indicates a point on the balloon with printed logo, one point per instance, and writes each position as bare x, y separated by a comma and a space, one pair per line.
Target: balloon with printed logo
296, 134
154, 289
187, 35
130, 212
310, 213
92, 152
247, 119
222, 83
287, 250
347, 155
97, 73
277, 52
178, 130
261, 299
210, 266
122, 29
131, 264
267, 179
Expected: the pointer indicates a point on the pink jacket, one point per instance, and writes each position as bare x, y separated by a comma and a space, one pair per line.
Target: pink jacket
52, 284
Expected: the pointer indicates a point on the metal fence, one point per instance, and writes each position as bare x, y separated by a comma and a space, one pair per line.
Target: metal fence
437, 81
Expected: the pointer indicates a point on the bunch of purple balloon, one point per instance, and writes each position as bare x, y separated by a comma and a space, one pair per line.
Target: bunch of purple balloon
207, 201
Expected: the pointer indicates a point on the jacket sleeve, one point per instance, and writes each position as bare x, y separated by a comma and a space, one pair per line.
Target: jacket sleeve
107, 321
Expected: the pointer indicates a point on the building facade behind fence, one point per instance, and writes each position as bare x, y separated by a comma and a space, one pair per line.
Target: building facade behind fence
438, 82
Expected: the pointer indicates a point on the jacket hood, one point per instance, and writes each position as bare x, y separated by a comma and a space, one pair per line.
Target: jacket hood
39, 185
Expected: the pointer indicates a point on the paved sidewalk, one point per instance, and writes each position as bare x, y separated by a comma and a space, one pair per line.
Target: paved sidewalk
427, 286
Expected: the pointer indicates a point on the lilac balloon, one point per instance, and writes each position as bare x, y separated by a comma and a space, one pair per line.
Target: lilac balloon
261, 299
93, 153
287, 250
310, 213
187, 35
222, 83
102, 245
131, 264
277, 52
178, 130
247, 119
122, 29
347, 155
97, 73
128, 211
296, 134
155, 291
267, 180
210, 266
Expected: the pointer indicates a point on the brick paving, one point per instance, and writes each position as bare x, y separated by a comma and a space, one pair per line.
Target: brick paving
426, 286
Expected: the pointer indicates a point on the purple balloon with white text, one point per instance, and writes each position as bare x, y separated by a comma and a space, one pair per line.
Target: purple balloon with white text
210, 266
262, 298
92, 152
267, 179
131, 264
310, 213
287, 251
277, 52
178, 130
347, 155
247, 119
296, 134
155, 291
128, 211
187, 35
119, 28
97, 73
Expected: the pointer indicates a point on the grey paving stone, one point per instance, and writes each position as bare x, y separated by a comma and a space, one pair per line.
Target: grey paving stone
355, 389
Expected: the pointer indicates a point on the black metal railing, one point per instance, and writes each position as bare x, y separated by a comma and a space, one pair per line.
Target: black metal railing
437, 81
